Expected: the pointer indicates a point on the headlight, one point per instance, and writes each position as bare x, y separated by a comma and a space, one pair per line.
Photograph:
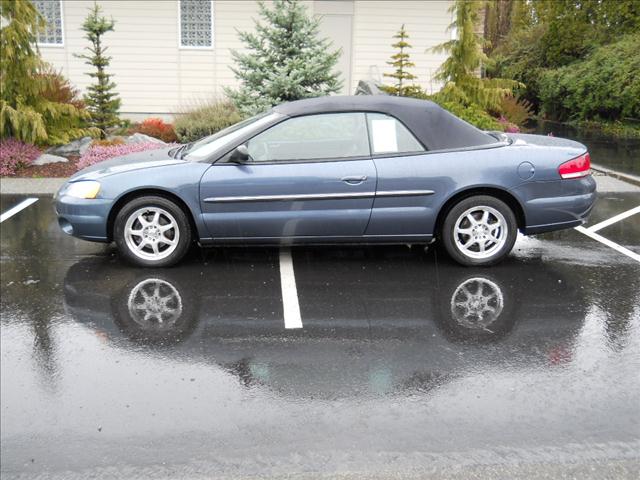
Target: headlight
83, 189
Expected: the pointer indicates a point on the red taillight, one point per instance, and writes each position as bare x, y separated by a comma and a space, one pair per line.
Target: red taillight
576, 167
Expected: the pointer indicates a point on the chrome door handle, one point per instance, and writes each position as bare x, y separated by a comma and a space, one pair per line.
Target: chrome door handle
354, 180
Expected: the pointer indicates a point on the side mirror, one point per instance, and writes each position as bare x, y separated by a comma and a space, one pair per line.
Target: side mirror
239, 155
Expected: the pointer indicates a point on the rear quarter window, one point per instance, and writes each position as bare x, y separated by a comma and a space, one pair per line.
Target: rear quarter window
388, 135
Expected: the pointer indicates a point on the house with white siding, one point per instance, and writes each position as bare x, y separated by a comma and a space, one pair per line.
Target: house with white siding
168, 55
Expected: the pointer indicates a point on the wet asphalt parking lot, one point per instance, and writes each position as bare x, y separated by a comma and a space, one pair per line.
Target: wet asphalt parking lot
350, 362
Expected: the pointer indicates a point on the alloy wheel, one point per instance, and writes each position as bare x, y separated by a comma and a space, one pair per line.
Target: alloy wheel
151, 233
480, 232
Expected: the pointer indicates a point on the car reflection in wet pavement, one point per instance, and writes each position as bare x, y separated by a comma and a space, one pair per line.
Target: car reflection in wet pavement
390, 323
407, 364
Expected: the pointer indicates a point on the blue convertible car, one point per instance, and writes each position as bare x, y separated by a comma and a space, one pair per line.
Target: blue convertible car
367, 169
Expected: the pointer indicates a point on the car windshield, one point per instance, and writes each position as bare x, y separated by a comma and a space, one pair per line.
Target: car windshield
206, 146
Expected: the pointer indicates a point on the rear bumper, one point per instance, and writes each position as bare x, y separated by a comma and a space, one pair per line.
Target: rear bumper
550, 227
557, 205
85, 219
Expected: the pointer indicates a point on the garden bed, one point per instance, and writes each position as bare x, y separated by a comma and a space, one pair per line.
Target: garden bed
52, 170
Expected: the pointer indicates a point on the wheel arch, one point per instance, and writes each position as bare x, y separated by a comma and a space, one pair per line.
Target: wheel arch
124, 199
499, 193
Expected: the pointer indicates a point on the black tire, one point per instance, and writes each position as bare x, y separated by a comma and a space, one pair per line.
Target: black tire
146, 257
508, 231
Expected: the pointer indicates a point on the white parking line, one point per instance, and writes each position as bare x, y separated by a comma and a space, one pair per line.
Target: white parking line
609, 243
612, 220
290, 305
21, 206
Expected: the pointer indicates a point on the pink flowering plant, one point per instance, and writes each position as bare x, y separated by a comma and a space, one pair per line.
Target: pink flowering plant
99, 153
15, 155
508, 126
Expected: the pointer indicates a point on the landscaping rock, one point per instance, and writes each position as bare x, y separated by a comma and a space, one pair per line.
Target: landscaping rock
85, 146
47, 158
142, 138
77, 147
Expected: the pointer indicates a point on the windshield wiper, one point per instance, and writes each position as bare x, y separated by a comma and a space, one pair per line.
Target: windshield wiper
182, 151
172, 152
176, 151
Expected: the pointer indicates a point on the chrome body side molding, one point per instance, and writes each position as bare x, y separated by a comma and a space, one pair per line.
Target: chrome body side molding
321, 196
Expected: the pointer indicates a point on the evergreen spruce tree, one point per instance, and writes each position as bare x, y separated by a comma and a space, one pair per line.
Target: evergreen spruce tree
25, 111
101, 98
461, 69
285, 60
401, 62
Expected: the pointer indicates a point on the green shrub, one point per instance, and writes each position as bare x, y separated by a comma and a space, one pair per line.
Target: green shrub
206, 120
30, 109
473, 114
605, 85
522, 59
469, 112
614, 129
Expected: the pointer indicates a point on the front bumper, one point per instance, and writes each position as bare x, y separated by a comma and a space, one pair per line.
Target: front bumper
83, 218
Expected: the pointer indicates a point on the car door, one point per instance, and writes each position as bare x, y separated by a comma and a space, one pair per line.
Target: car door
308, 176
405, 203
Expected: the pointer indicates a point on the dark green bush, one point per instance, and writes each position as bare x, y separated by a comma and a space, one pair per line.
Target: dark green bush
469, 112
605, 85
472, 114
521, 59
206, 120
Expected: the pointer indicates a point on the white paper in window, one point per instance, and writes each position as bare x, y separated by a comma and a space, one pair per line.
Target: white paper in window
383, 132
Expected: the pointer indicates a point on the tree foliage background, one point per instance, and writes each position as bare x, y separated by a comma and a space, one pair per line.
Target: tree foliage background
101, 98
578, 58
460, 71
28, 109
401, 62
285, 59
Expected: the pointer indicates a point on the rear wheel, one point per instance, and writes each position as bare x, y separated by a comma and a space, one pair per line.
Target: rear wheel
152, 231
479, 230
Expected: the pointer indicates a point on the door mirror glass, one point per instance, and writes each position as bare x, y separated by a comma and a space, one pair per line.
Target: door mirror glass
239, 155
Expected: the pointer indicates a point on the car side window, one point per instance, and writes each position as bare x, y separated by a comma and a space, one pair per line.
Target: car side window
311, 137
388, 135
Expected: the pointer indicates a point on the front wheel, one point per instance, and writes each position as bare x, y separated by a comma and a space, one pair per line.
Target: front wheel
152, 231
479, 230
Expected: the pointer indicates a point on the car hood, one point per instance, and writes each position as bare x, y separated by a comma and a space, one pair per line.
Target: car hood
133, 161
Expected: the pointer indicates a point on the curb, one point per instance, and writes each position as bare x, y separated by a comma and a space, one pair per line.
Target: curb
30, 186
626, 177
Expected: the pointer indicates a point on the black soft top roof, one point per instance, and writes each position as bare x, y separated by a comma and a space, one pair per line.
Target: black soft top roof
435, 127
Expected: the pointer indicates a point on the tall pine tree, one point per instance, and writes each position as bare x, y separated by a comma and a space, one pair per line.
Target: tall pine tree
460, 71
101, 98
25, 111
286, 60
401, 62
